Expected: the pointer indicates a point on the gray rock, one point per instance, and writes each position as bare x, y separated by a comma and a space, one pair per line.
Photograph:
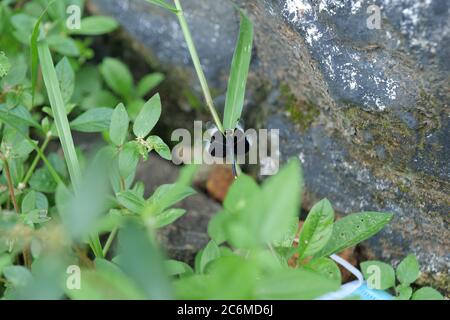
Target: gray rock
366, 110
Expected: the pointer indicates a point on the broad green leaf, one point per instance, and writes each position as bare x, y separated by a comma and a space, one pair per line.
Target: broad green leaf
34, 200
148, 83
41, 180
325, 267
175, 268
5, 261
210, 253
128, 159
93, 120
354, 228
408, 270
242, 189
63, 45
165, 196
5, 65
165, 218
374, 269
216, 227
17, 115
317, 229
238, 75
403, 292
105, 285
427, 293
229, 277
118, 129
142, 262
157, 144
66, 78
163, 4
100, 98
18, 276
147, 117
270, 211
131, 201
294, 284
117, 76
59, 113
96, 25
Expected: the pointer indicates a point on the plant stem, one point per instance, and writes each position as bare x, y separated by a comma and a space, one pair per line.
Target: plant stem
109, 241
197, 65
10, 183
36, 160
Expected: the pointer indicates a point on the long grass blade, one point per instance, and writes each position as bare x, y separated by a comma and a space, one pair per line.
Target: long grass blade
59, 112
238, 75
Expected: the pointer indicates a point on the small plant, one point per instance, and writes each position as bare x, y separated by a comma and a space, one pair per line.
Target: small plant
382, 276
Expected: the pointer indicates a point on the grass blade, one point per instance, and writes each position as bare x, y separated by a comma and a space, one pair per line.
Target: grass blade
238, 75
163, 4
59, 112
34, 53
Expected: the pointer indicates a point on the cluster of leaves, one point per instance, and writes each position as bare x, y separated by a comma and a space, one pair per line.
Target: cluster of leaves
406, 273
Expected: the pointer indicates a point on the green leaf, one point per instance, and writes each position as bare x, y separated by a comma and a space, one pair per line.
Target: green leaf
34, 200
93, 120
165, 218
105, 285
63, 45
41, 180
295, 284
325, 267
353, 229
118, 129
165, 196
66, 77
128, 159
142, 262
96, 25
117, 76
100, 98
317, 229
210, 253
378, 273
242, 189
130, 200
175, 268
427, 293
157, 144
238, 75
269, 214
59, 112
5, 261
34, 55
408, 270
163, 4
403, 292
17, 115
148, 83
216, 227
147, 117
5, 65
18, 276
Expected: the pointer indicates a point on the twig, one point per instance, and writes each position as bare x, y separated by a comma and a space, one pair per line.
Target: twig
10, 183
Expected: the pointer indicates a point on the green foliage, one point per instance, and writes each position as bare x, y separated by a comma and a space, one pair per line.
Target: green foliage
382, 276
